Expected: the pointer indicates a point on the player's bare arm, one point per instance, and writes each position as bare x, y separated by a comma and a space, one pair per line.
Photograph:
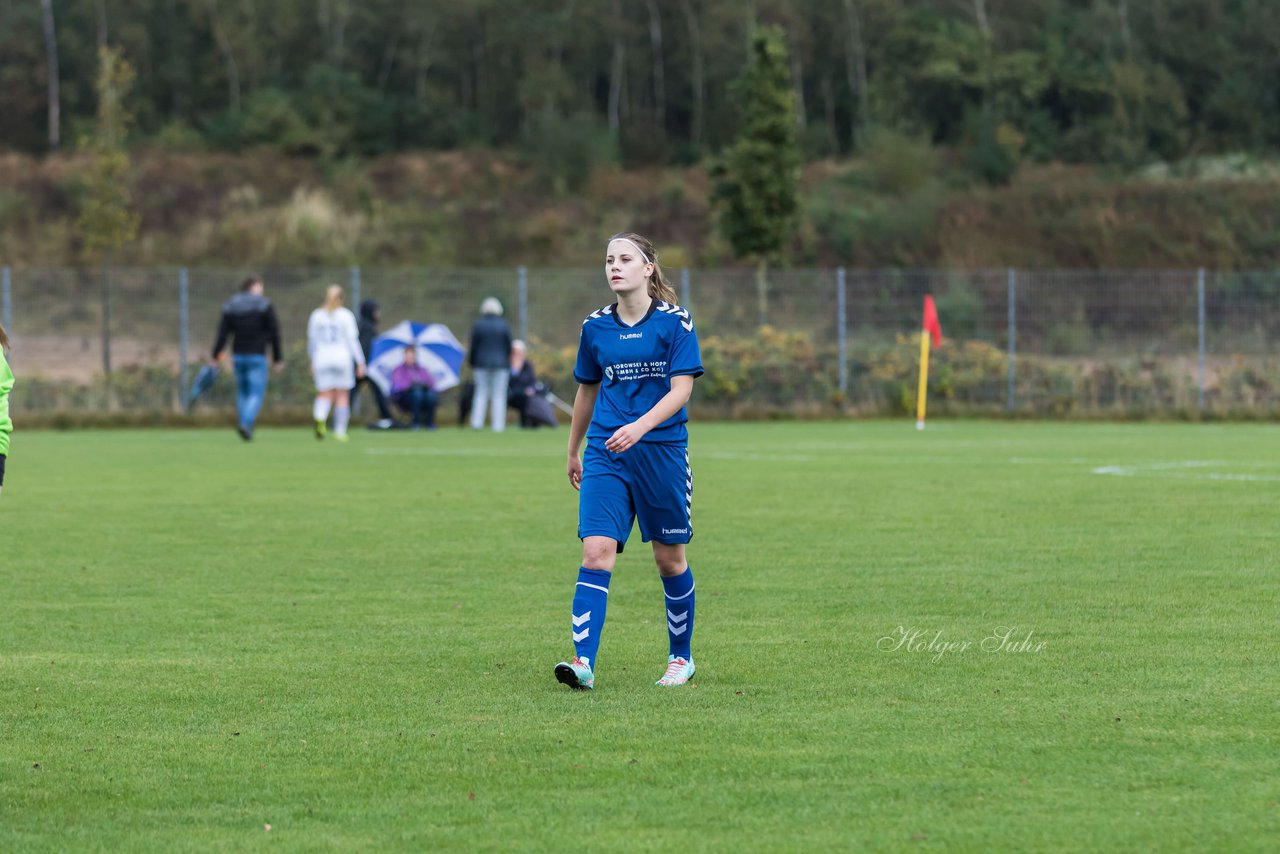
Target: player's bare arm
584, 403
672, 402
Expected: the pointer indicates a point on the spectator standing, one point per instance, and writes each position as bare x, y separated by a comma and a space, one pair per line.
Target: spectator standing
249, 320
490, 361
333, 344
370, 312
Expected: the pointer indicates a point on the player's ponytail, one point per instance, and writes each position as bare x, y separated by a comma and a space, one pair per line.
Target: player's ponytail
332, 298
4, 339
658, 287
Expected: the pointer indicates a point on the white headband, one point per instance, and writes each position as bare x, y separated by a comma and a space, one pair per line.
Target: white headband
636, 245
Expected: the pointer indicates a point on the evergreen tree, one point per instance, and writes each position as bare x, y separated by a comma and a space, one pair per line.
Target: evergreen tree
757, 186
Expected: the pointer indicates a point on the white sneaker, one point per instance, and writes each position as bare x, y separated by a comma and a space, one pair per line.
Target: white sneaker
576, 674
679, 671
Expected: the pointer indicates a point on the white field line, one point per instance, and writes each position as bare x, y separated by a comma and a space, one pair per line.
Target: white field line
1191, 470
450, 452
483, 452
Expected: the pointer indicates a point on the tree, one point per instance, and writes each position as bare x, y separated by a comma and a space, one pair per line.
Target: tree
228, 56
856, 69
616, 69
106, 221
51, 58
698, 77
757, 181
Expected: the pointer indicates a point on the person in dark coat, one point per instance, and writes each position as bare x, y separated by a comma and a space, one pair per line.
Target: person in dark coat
370, 312
490, 361
522, 384
249, 320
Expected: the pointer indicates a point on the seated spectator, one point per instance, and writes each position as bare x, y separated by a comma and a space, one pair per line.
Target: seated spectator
522, 385
414, 390
526, 394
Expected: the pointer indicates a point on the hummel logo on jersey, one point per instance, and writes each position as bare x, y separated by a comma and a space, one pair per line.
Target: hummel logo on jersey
675, 530
630, 335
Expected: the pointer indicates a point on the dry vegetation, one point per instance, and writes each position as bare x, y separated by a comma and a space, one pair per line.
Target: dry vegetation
477, 208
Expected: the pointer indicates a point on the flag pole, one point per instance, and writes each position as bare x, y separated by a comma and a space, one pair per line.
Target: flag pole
924, 379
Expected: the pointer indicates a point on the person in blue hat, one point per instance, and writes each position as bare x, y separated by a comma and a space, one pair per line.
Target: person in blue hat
370, 314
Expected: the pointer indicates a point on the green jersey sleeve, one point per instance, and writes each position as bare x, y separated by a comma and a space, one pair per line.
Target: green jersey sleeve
6, 384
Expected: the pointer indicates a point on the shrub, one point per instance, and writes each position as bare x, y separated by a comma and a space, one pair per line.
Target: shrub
566, 150
898, 164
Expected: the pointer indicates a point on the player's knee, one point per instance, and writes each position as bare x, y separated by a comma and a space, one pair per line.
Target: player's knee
670, 564
599, 556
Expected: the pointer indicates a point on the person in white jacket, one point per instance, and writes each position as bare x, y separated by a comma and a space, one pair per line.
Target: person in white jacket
333, 344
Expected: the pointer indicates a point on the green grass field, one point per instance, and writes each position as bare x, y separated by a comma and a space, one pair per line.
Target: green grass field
353, 644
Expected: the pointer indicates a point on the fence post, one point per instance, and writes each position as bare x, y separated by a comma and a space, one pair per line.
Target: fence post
355, 289
184, 336
684, 287
6, 301
523, 288
1013, 335
1200, 330
841, 343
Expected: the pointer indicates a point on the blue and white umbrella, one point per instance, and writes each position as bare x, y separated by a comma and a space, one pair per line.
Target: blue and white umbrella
437, 350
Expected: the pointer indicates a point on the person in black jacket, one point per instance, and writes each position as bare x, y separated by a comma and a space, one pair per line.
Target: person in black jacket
490, 365
249, 319
522, 382
370, 312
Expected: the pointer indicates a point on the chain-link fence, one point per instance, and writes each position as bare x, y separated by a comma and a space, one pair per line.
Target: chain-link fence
1048, 342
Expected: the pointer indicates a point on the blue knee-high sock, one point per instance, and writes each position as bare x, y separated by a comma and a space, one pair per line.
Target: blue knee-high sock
590, 598
679, 598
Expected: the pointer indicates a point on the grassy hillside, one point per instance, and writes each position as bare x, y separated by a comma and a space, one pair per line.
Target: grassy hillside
895, 206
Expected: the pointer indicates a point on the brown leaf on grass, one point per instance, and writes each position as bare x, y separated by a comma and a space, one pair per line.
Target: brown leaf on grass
471, 796
267, 828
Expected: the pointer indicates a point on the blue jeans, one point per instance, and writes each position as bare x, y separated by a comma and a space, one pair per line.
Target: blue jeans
251, 387
420, 403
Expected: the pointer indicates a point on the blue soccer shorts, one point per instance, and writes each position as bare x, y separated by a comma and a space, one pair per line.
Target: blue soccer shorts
650, 482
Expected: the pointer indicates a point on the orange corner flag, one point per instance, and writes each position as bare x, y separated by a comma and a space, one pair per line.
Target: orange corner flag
932, 331
931, 324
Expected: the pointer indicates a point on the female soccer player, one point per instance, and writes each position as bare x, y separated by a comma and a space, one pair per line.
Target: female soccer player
333, 343
6, 385
637, 360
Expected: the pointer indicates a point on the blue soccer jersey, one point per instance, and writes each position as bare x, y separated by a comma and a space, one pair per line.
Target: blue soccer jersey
634, 366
